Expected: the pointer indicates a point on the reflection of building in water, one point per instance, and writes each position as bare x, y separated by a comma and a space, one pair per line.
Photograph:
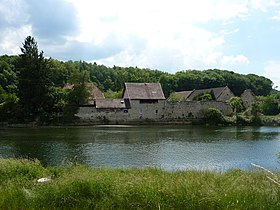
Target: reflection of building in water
145, 102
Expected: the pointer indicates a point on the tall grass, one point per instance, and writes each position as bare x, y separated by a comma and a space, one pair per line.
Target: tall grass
81, 187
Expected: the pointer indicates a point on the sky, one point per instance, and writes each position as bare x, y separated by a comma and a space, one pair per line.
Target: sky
167, 35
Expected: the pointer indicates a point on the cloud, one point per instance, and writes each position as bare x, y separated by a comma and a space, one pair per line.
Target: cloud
75, 50
49, 22
271, 71
233, 60
159, 34
277, 16
167, 30
52, 19
12, 13
263, 5
12, 38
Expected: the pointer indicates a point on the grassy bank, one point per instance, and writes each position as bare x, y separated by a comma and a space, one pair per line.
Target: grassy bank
80, 187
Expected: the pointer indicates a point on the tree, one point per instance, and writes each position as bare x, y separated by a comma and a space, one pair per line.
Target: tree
237, 104
78, 95
269, 106
33, 78
8, 105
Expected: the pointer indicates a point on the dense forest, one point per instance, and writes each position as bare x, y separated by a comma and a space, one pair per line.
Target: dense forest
31, 86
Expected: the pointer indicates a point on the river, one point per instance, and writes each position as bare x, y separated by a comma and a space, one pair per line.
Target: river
167, 147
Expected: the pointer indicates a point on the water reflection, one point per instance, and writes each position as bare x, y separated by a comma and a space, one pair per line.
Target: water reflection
168, 147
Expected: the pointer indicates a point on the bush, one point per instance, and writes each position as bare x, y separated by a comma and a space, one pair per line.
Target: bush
269, 106
212, 115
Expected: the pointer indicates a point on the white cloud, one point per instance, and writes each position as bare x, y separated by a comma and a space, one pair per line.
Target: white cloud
277, 16
170, 37
271, 71
12, 12
233, 60
159, 34
12, 38
263, 5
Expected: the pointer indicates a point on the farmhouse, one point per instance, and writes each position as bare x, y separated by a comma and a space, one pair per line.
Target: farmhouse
145, 102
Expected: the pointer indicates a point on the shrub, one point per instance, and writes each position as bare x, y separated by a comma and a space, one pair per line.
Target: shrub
269, 106
208, 96
237, 104
212, 115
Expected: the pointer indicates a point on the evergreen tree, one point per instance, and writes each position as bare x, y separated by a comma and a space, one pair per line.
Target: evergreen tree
33, 79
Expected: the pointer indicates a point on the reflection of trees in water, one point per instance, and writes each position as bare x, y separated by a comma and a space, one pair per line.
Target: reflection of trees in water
50, 146
116, 146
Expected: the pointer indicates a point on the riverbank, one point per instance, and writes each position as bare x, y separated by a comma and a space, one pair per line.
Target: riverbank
80, 187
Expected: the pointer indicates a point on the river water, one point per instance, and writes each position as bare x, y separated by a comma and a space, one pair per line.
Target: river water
166, 147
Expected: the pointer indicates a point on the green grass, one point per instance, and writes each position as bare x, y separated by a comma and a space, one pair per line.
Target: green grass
81, 187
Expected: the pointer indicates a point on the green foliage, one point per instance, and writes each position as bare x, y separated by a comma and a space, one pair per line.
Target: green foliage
242, 120
237, 104
81, 187
8, 76
213, 116
255, 109
209, 96
8, 105
174, 97
34, 80
78, 95
37, 82
268, 105
112, 94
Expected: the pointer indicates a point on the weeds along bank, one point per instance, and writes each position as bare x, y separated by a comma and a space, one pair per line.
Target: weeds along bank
81, 187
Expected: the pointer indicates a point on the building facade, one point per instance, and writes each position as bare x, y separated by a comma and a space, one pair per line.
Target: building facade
145, 102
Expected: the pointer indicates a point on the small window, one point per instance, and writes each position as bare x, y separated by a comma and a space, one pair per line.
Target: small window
125, 111
156, 111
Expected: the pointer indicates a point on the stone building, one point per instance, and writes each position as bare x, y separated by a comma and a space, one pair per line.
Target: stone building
94, 92
145, 102
248, 97
220, 93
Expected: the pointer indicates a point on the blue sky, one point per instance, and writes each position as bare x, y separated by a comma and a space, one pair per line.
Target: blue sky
168, 35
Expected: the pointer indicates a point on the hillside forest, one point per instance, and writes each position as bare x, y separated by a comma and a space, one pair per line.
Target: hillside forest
31, 86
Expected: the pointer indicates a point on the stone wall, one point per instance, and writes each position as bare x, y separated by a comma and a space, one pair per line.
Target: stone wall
152, 111
162, 111
90, 114
191, 109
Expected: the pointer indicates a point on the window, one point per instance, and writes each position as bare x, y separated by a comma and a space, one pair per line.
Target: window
148, 101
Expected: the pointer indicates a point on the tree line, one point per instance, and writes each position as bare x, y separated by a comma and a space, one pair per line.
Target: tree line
31, 86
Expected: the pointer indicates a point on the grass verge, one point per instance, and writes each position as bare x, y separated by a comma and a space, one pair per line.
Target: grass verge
81, 187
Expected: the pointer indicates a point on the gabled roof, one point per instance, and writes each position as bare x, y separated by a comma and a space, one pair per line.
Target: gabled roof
143, 91
184, 94
94, 92
248, 91
217, 92
110, 103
